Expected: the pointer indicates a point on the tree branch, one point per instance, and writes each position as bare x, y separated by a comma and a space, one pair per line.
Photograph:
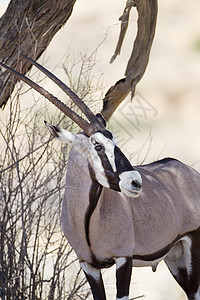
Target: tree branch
147, 16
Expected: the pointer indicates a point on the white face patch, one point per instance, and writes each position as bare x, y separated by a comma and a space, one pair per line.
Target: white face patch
99, 170
130, 183
108, 145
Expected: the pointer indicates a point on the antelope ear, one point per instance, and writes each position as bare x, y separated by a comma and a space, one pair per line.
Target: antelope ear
101, 119
60, 134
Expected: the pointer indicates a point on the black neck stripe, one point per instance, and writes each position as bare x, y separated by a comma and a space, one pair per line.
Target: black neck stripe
95, 192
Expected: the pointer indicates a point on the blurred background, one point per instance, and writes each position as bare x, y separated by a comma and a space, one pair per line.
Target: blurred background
163, 120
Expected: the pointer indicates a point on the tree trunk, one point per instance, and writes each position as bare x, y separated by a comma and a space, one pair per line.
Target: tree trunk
27, 27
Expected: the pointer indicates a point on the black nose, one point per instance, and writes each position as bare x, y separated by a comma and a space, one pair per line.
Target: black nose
136, 184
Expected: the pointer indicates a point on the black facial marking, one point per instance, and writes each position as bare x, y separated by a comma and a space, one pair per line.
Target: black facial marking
121, 162
111, 176
95, 192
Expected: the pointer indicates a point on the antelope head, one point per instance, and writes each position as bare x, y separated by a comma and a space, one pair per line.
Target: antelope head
110, 166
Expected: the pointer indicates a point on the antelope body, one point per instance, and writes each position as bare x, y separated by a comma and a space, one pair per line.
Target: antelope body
163, 222
144, 228
114, 213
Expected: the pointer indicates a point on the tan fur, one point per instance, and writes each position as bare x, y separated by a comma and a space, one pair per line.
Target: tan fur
168, 207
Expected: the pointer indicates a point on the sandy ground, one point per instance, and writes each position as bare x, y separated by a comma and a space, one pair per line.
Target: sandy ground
166, 110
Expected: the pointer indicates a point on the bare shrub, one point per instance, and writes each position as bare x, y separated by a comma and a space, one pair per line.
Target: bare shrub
36, 261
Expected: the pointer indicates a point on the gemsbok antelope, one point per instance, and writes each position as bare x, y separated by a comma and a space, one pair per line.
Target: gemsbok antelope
114, 213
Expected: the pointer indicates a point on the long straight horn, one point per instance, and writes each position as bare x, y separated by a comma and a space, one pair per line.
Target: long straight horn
87, 127
81, 105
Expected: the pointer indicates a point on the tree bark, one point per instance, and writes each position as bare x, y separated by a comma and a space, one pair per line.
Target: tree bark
27, 27
147, 16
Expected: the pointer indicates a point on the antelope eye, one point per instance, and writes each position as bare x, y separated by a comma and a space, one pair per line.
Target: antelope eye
98, 147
